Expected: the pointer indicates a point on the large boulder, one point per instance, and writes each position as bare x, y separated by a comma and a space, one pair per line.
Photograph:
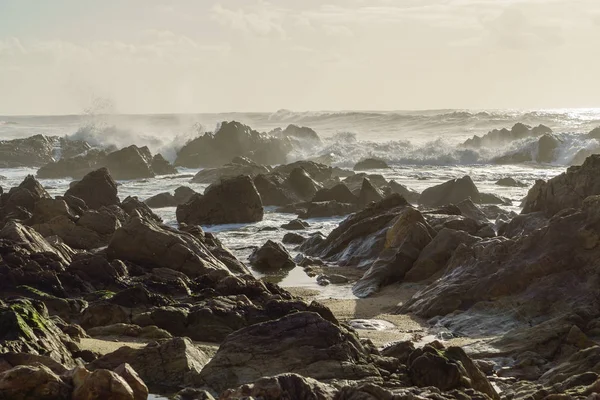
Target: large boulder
19, 202
500, 137
160, 166
301, 342
275, 191
567, 190
182, 195
230, 140
75, 167
546, 148
130, 163
97, 189
101, 384
326, 209
339, 193
37, 150
151, 245
299, 133
370, 163
451, 192
368, 194
170, 364
271, 256
33, 382
302, 183
410, 195
284, 386
239, 166
234, 200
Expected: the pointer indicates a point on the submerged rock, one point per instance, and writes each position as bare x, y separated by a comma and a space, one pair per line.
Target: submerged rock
272, 256
233, 200
370, 163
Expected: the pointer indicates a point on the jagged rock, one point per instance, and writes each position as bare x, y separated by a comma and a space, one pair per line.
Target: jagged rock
339, 193
296, 225
435, 255
504, 136
410, 195
32, 241
523, 225
275, 191
140, 390
162, 200
302, 184
20, 201
37, 150
46, 209
567, 190
404, 241
326, 209
510, 182
293, 238
318, 172
37, 382
130, 163
75, 167
234, 200
97, 189
160, 166
285, 386
301, 133
153, 246
354, 182
232, 139
25, 327
368, 193
370, 163
313, 347
174, 363
451, 192
272, 256
230, 170
547, 146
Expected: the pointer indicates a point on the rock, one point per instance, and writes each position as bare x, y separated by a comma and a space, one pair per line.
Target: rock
500, 137
134, 207
274, 190
160, 166
301, 133
234, 200
75, 167
313, 347
567, 190
434, 257
162, 200
20, 201
25, 327
451, 192
173, 364
523, 225
46, 209
404, 241
339, 193
547, 146
130, 163
153, 246
489, 198
370, 163
368, 193
285, 386
327, 209
355, 181
101, 385
410, 195
318, 172
510, 182
296, 225
37, 382
230, 140
293, 238
231, 170
302, 184
140, 390
37, 150
271, 256
97, 189
32, 241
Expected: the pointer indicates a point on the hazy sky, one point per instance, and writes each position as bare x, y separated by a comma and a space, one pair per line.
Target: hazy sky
143, 56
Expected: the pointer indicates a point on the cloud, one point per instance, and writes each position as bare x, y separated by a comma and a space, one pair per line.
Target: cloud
261, 19
338, 30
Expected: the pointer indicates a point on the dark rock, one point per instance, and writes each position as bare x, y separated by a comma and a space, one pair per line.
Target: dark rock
368, 193
451, 192
296, 225
231, 170
327, 209
275, 191
355, 182
302, 184
271, 256
33, 382
37, 150
160, 166
339, 193
370, 163
75, 167
313, 347
97, 189
510, 182
293, 238
234, 200
285, 386
547, 146
162, 200
130, 163
301, 133
410, 195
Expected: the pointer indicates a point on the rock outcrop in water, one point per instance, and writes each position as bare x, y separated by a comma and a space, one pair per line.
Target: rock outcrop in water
499, 137
38, 150
231, 201
370, 163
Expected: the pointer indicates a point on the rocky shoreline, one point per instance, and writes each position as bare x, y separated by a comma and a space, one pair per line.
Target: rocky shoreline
456, 297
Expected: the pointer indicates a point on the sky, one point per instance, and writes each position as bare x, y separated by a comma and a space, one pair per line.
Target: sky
194, 56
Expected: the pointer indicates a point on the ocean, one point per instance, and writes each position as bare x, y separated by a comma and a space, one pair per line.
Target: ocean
423, 149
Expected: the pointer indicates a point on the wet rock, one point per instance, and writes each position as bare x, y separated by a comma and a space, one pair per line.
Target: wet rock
368, 193
301, 133
355, 182
499, 137
101, 384
547, 146
302, 184
271, 256
404, 241
234, 200
19, 202
173, 364
274, 190
291, 386
296, 225
410, 195
339, 193
313, 347
567, 190
523, 225
37, 382
510, 182
160, 166
33, 242
370, 163
97, 189
434, 257
154, 246
230, 140
130, 163
46, 209
326, 209
37, 150
75, 167
293, 238
451, 192
231, 170
319, 172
